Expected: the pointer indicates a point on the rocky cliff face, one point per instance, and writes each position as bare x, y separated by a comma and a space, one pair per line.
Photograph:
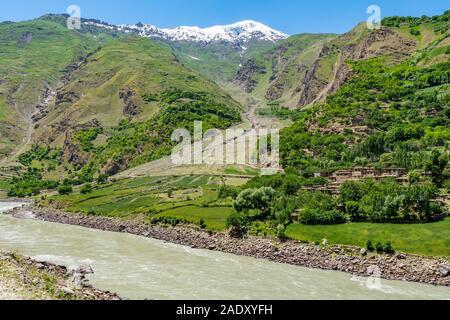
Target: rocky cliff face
278, 70
245, 77
25, 38
278, 83
376, 43
72, 152
130, 109
307, 68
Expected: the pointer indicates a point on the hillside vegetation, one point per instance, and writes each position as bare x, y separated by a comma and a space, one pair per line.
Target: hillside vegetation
275, 73
118, 110
34, 56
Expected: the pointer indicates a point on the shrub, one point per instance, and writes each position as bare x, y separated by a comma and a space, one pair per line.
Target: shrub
414, 176
353, 210
238, 224
65, 190
255, 199
317, 217
370, 246
228, 192
281, 231
86, 189
102, 178
202, 223
387, 248
415, 32
379, 247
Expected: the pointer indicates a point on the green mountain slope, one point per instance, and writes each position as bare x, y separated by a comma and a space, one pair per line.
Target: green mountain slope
391, 112
112, 83
34, 57
274, 74
133, 93
305, 69
218, 61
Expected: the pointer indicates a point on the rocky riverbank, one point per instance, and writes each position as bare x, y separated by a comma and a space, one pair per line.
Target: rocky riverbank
22, 278
347, 259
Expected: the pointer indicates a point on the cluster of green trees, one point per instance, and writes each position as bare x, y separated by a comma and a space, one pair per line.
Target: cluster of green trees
30, 183
439, 23
388, 201
277, 111
405, 109
39, 153
283, 199
86, 136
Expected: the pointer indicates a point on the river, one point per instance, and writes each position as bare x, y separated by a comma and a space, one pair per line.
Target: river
141, 268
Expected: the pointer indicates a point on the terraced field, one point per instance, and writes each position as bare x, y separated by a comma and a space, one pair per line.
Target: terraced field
190, 198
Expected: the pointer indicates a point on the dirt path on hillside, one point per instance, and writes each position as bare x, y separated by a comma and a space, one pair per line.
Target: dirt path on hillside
27, 119
323, 94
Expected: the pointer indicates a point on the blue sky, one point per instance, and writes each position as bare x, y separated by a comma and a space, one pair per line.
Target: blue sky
290, 16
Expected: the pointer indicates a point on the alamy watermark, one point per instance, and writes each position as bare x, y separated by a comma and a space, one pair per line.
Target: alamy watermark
74, 20
374, 280
374, 20
258, 148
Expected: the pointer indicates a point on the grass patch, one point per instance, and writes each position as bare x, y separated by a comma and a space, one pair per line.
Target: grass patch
431, 239
4, 185
215, 218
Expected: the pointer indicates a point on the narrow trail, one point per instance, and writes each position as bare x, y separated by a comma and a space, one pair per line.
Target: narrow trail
27, 119
323, 94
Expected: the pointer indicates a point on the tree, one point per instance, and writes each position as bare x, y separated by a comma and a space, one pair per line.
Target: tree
436, 166
102, 178
244, 201
237, 223
255, 199
414, 176
350, 191
419, 197
262, 199
226, 191
86, 189
65, 190
354, 211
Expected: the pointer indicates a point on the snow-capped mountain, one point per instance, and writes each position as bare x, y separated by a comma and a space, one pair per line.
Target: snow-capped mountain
240, 32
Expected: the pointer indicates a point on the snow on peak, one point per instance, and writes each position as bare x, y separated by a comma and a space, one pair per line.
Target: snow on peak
240, 32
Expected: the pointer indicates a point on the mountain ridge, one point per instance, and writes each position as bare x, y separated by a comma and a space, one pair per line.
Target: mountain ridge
239, 32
